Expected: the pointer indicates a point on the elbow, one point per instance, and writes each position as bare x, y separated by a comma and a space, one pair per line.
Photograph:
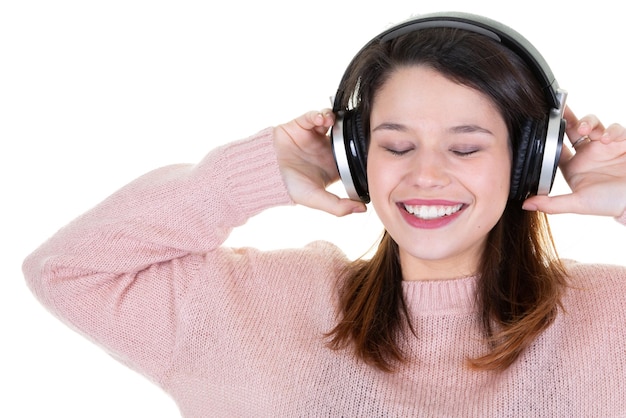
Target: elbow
37, 277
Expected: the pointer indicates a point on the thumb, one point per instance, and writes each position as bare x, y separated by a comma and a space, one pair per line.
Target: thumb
567, 203
328, 202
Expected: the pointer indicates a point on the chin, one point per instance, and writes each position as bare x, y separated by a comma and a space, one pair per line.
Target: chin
454, 261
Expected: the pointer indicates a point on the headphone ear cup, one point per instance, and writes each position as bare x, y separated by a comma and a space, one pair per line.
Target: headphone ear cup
359, 158
551, 151
349, 146
527, 160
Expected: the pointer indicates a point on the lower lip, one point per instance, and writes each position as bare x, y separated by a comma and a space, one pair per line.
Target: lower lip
429, 223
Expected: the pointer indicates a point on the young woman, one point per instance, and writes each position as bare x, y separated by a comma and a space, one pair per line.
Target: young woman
464, 310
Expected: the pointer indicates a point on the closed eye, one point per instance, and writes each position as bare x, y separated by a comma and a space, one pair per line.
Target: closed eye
464, 152
397, 152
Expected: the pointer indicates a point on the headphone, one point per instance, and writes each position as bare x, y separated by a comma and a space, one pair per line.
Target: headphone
541, 141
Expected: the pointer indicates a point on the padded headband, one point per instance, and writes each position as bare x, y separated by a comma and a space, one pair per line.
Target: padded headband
479, 24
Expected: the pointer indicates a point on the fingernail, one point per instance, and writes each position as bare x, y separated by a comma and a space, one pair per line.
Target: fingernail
529, 207
584, 126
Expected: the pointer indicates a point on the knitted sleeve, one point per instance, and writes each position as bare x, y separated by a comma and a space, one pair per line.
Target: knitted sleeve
114, 270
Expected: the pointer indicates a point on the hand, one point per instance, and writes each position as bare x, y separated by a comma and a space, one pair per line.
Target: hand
595, 170
307, 165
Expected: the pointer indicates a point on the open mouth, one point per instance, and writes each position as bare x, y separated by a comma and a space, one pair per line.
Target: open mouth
429, 212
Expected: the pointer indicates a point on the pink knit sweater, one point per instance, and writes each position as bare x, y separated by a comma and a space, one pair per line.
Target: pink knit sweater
239, 332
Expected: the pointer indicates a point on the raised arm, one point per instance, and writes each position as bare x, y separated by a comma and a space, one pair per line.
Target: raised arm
120, 272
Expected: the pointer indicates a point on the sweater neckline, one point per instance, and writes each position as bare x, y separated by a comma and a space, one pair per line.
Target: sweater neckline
441, 297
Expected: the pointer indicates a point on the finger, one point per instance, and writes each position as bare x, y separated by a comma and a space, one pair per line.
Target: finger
588, 126
328, 120
316, 120
570, 117
613, 133
566, 155
328, 202
567, 203
571, 128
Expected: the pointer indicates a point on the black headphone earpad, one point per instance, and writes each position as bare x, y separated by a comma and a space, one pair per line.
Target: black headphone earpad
527, 160
357, 157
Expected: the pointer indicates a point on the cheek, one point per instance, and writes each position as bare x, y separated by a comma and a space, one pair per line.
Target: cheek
505, 177
494, 189
380, 182
376, 176
384, 177
496, 179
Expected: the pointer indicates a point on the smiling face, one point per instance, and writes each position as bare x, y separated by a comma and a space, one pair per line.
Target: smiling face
438, 171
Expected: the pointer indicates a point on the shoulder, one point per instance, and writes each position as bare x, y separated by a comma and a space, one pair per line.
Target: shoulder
272, 284
318, 264
595, 272
310, 268
595, 286
322, 254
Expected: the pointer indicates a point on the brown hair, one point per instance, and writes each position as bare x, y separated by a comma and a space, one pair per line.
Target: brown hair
520, 278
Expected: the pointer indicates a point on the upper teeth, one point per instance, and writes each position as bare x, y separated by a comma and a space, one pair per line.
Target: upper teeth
432, 211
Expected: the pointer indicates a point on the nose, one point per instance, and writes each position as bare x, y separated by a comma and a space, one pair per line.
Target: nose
428, 169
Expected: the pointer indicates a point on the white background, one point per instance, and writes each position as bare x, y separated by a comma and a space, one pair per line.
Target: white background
95, 93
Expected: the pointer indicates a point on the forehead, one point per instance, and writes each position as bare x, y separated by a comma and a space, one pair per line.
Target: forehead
424, 90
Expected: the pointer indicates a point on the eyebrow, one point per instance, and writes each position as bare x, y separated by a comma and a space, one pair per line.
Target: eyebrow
460, 129
390, 127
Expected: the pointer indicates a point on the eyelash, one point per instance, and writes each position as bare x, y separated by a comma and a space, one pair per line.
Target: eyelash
460, 153
465, 153
396, 152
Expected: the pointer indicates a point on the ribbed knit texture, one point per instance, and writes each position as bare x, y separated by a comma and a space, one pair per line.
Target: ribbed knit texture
239, 332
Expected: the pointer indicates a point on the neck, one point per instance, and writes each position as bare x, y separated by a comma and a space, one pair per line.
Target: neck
417, 269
